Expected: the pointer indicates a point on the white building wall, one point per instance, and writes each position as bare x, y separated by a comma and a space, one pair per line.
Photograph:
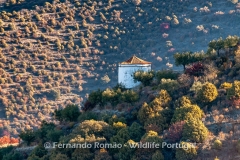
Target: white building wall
126, 71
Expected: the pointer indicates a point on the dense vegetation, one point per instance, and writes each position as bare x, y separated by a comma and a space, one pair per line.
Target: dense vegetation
46, 52
172, 112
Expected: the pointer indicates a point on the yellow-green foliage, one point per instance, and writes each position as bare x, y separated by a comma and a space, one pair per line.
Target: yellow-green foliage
148, 111
196, 87
208, 93
234, 91
144, 77
158, 120
187, 112
195, 131
217, 144
164, 97
88, 138
91, 127
182, 101
162, 100
109, 95
187, 152
152, 136
169, 85
226, 85
116, 119
119, 125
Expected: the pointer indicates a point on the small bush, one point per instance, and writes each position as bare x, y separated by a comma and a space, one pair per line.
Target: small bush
166, 74
217, 144
28, 136
55, 94
195, 131
169, 85
144, 77
196, 69
129, 96
13, 156
187, 112
234, 91
208, 93
182, 101
70, 113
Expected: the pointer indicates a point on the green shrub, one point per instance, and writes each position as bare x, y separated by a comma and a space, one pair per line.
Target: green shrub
129, 96
186, 58
13, 156
4, 151
182, 101
148, 111
41, 134
136, 131
28, 136
208, 93
91, 127
115, 119
158, 155
152, 136
119, 125
234, 91
109, 95
54, 135
169, 85
195, 131
166, 74
187, 152
126, 152
187, 112
216, 44
95, 97
38, 152
162, 99
144, 77
196, 87
122, 137
87, 116
58, 156
70, 113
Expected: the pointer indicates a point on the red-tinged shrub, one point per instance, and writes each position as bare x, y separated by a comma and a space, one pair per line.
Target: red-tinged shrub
6, 133
196, 69
234, 102
14, 140
174, 133
4, 140
164, 26
8, 140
